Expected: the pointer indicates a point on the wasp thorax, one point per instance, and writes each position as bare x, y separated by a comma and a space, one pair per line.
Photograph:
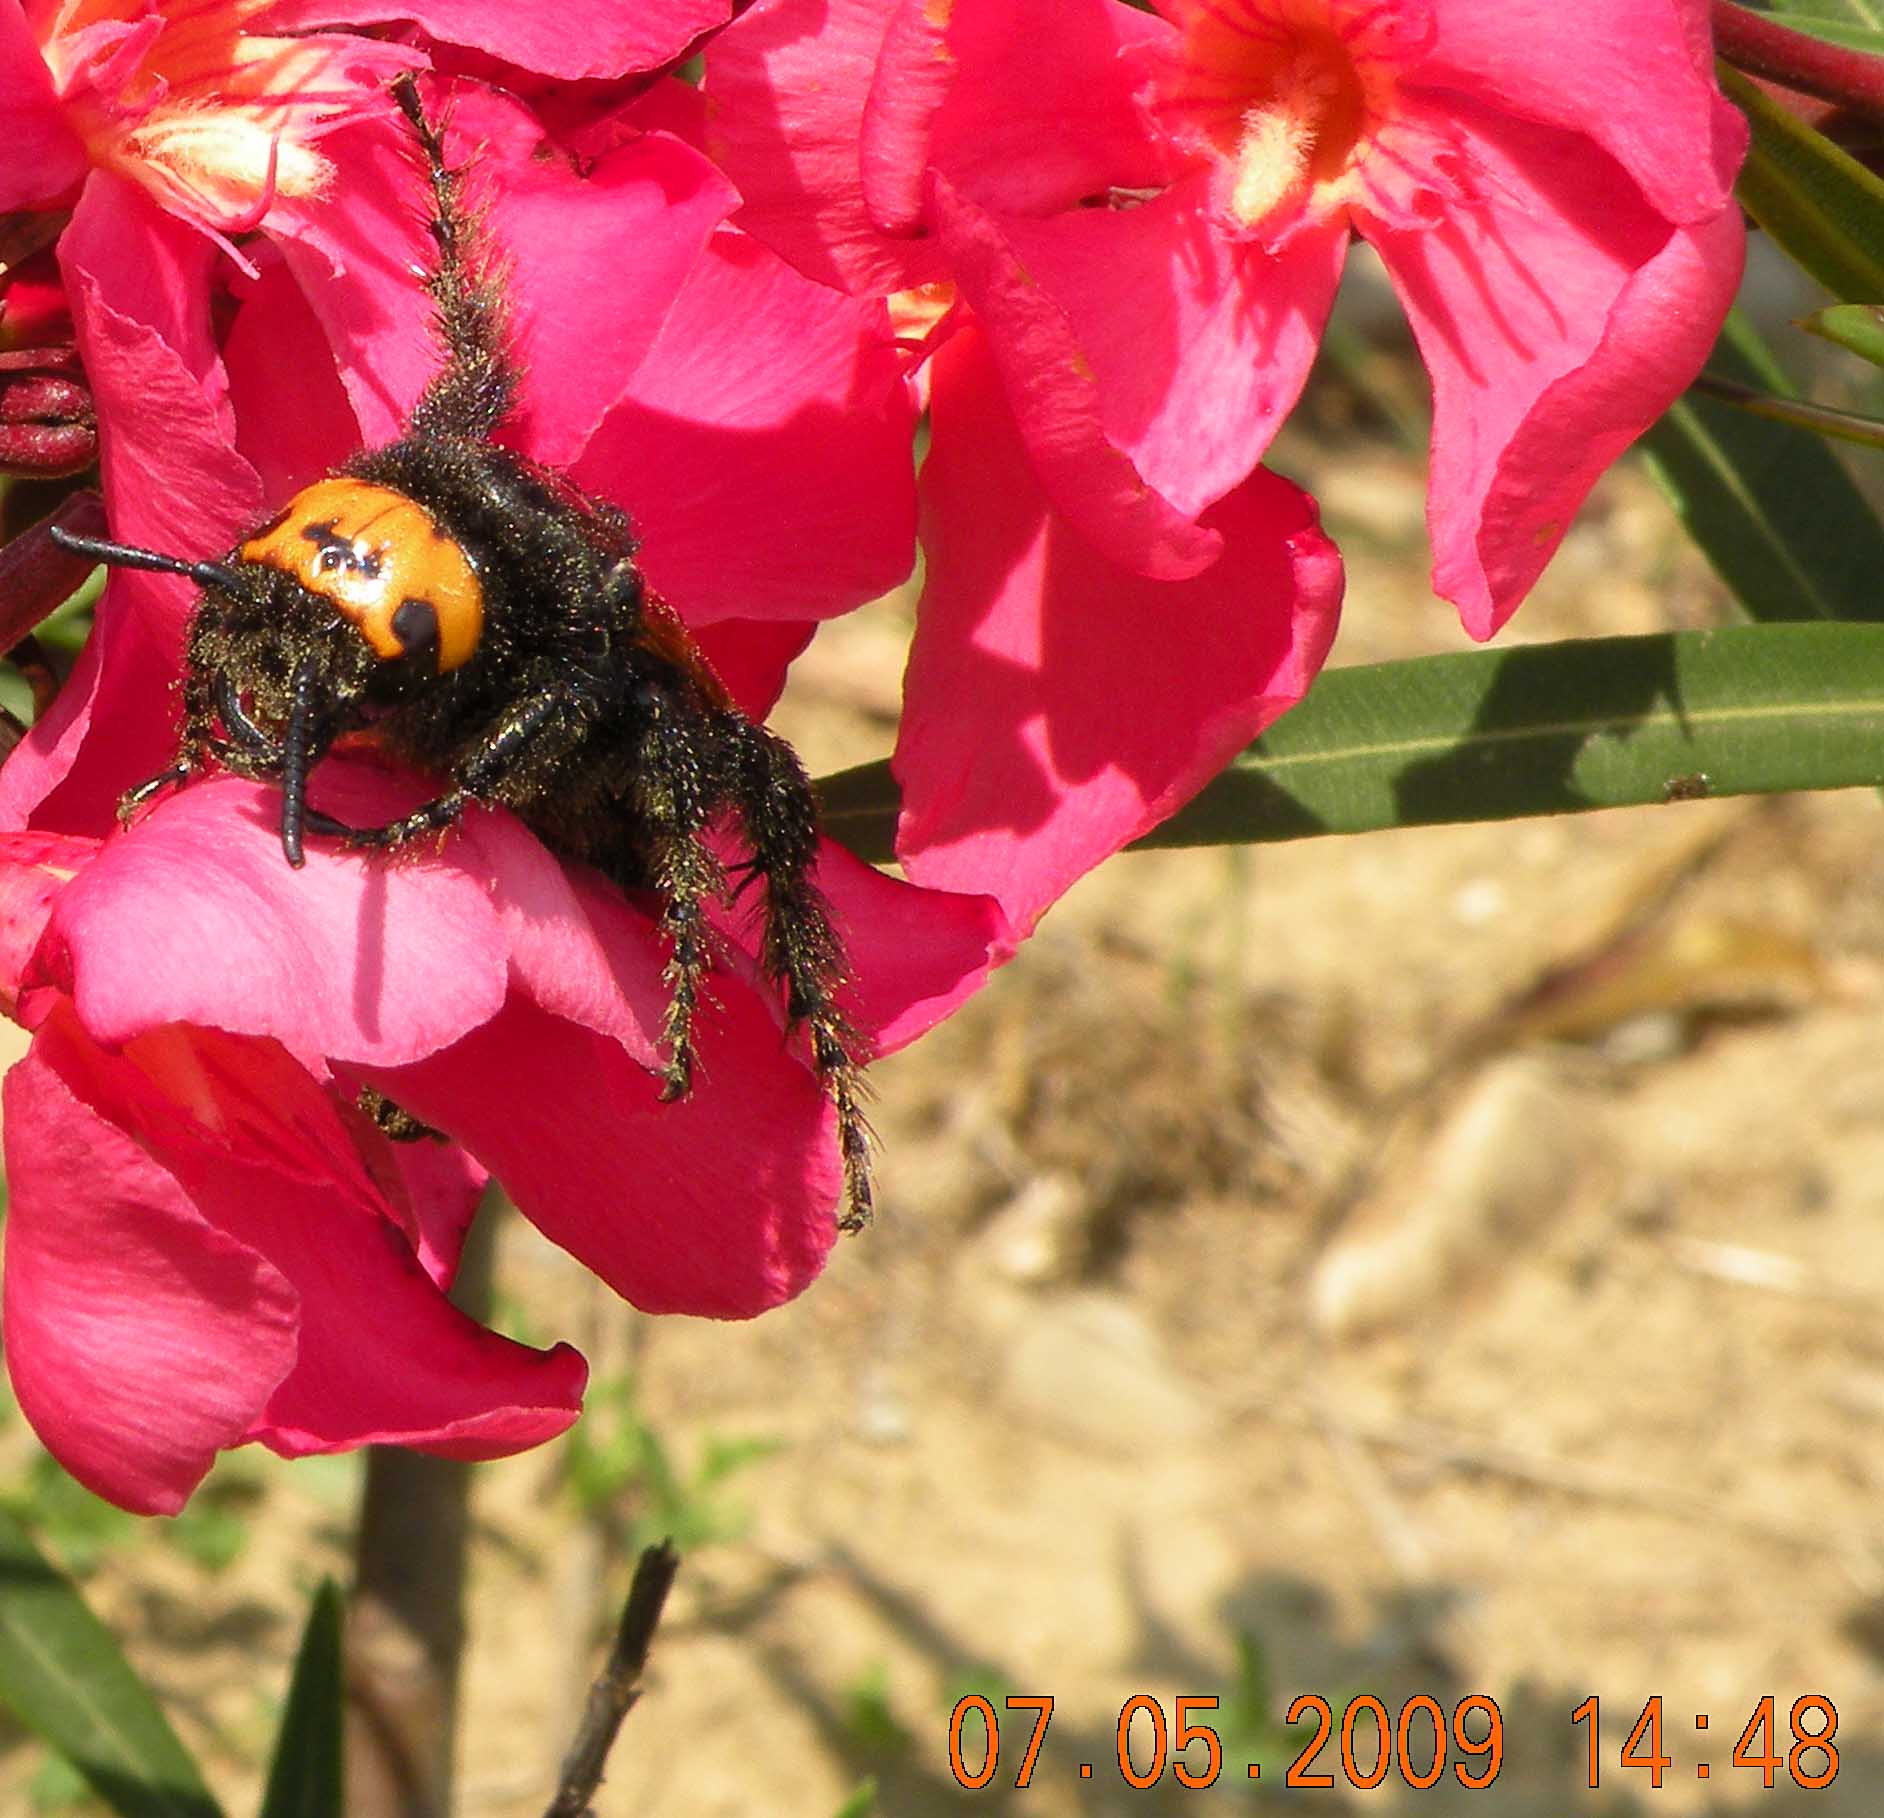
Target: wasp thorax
380, 561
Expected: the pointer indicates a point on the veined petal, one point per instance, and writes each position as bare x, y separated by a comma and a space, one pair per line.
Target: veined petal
1055, 398
1635, 76
1558, 320
1198, 344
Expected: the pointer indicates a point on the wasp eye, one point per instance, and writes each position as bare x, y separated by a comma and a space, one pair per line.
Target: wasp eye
330, 560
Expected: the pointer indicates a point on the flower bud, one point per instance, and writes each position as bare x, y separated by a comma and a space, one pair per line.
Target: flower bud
48, 428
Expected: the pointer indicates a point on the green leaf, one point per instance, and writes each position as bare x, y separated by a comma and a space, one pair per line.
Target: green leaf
1856, 327
1819, 203
1868, 38
1769, 504
304, 1780
1842, 21
62, 1675
1488, 735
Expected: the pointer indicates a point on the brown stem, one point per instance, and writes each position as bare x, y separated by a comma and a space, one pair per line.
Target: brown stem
36, 574
618, 1684
1763, 47
405, 1627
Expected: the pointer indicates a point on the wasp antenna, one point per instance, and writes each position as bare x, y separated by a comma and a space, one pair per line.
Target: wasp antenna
294, 761
125, 555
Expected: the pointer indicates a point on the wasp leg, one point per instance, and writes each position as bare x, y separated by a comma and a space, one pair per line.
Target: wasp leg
474, 391
242, 729
477, 777
674, 802
800, 949
135, 797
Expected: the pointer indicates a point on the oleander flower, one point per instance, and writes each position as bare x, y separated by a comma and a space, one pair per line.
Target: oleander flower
1148, 215
207, 1245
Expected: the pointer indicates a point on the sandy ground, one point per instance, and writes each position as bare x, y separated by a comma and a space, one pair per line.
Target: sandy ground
1263, 1306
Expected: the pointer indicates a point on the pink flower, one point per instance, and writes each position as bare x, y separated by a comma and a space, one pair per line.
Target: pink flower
1087, 655
1149, 216
1057, 704
207, 1244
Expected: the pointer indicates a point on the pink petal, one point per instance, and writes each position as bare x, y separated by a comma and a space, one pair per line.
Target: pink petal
261, 1152
435, 1185
1054, 395
430, 1376
354, 253
140, 1340
114, 722
156, 382
600, 263
195, 917
1198, 345
293, 420
1044, 115
1558, 321
720, 1204
764, 446
751, 657
916, 955
139, 287
150, 268
34, 869
575, 947
1635, 76
45, 157
574, 39
1058, 706
158, 416
914, 75
787, 89
645, 209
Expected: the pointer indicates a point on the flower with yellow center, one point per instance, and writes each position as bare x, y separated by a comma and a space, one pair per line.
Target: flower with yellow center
1297, 105
214, 119
1146, 210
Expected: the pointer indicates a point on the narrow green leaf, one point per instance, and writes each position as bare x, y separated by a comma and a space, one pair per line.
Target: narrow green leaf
1822, 419
1489, 735
1769, 504
1856, 327
62, 1675
304, 1780
1819, 203
1839, 20
1869, 38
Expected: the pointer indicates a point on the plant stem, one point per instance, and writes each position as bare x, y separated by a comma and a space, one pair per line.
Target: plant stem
1847, 426
1762, 47
405, 1626
618, 1685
